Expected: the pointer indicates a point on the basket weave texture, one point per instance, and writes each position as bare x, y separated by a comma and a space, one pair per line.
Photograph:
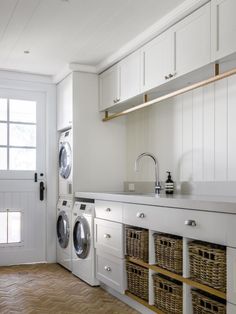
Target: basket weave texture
137, 280
208, 264
168, 294
137, 243
205, 304
169, 252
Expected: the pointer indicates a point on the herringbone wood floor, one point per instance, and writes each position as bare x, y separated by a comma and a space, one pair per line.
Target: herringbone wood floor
50, 289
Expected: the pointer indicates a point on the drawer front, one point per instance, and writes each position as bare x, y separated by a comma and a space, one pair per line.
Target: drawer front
109, 210
109, 237
111, 271
207, 226
154, 218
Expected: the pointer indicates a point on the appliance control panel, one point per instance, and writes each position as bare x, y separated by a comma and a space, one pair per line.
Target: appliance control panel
84, 208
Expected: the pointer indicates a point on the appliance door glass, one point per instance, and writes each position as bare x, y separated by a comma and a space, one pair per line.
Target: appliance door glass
81, 237
63, 230
65, 160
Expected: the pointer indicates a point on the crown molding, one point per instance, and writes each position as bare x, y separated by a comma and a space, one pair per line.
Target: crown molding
164, 23
25, 76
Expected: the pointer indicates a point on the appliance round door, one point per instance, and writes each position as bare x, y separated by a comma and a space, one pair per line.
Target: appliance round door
65, 160
63, 230
81, 237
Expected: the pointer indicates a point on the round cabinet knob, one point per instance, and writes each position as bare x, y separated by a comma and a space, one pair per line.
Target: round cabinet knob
114, 100
107, 268
191, 223
166, 77
108, 209
107, 236
140, 215
118, 99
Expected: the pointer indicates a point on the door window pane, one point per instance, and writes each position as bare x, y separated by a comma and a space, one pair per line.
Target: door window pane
22, 135
22, 110
22, 159
3, 158
14, 227
3, 134
3, 109
3, 227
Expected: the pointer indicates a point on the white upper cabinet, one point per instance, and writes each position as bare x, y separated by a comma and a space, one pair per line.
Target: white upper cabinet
64, 103
130, 76
223, 28
109, 82
192, 41
157, 61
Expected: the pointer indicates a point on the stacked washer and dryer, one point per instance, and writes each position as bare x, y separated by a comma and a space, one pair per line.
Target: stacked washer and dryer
75, 243
65, 203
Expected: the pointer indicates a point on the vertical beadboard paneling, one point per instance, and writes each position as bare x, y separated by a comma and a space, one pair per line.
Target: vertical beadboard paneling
221, 131
187, 154
232, 128
177, 137
194, 135
208, 133
198, 135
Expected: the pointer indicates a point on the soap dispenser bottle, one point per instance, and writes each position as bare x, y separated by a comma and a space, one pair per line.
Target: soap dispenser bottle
169, 185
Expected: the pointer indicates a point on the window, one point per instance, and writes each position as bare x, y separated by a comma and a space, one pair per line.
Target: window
10, 227
17, 134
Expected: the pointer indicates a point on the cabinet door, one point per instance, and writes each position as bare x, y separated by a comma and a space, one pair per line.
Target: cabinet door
130, 76
64, 103
192, 37
231, 275
109, 87
157, 61
223, 28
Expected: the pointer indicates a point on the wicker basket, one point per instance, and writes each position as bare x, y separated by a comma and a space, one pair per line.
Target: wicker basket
137, 243
168, 294
137, 277
203, 303
169, 252
208, 264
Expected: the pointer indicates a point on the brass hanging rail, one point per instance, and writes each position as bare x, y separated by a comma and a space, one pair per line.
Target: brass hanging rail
183, 90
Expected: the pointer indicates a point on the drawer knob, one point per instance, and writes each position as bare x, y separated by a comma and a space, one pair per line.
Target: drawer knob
140, 215
107, 236
191, 223
107, 268
108, 209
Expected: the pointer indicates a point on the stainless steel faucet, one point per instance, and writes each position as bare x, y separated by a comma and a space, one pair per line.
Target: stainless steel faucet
157, 181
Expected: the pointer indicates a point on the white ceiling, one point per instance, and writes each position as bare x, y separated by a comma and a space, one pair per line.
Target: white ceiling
58, 32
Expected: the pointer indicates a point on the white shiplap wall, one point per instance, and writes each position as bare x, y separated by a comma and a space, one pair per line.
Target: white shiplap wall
193, 135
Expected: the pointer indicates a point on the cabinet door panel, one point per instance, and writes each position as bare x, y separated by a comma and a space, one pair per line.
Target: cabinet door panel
64, 103
158, 60
223, 28
192, 41
109, 88
231, 275
130, 76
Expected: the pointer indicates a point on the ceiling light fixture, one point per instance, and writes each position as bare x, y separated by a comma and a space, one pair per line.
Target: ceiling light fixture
26, 51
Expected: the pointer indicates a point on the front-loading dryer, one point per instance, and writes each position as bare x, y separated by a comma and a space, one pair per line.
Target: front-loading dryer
65, 163
83, 252
64, 232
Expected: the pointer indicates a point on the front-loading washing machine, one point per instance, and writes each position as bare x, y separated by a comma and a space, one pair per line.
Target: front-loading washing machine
65, 163
64, 232
83, 252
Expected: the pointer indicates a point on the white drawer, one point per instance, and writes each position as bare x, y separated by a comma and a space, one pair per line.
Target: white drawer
168, 220
109, 210
209, 226
109, 237
111, 271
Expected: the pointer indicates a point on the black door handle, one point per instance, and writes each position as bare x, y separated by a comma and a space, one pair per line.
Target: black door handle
41, 191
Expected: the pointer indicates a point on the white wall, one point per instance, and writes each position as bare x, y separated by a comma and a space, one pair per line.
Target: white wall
193, 135
40, 83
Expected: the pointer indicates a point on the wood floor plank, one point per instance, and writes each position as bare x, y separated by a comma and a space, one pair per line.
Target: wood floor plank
50, 289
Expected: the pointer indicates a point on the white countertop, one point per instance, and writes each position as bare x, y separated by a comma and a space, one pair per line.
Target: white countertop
207, 203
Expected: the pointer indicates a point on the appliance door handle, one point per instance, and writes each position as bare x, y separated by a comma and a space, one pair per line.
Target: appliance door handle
41, 191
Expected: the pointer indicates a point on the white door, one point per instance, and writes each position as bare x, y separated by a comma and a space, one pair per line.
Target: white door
22, 173
158, 61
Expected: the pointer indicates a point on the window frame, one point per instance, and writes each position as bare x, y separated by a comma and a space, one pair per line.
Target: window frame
8, 123
14, 244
